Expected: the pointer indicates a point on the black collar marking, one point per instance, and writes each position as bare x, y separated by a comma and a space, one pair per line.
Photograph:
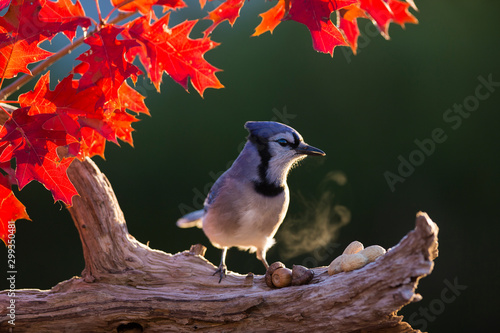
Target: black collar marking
267, 189
263, 186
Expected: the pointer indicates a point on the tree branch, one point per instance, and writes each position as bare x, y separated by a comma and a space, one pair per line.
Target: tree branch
138, 287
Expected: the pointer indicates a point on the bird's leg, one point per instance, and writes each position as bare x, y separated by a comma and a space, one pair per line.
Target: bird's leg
222, 267
261, 255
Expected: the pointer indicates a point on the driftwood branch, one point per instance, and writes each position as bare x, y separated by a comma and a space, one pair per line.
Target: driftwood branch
126, 285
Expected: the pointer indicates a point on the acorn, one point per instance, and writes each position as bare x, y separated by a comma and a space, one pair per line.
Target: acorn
282, 277
270, 270
301, 275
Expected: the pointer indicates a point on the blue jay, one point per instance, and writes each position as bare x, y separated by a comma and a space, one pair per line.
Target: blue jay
249, 201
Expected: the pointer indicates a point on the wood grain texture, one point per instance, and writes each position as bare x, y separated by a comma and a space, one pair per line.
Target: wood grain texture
127, 283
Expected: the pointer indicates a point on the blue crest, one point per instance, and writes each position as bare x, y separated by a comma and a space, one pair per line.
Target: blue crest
266, 129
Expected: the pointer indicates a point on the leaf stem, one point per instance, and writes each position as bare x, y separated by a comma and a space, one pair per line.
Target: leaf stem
21, 81
117, 7
98, 11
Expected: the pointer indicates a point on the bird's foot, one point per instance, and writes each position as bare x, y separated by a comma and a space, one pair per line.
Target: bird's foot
222, 271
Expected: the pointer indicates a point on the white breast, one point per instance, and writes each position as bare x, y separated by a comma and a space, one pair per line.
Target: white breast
252, 227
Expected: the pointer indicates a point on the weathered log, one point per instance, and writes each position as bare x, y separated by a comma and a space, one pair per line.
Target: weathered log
128, 286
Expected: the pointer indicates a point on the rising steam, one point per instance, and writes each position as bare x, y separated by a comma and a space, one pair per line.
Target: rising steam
318, 225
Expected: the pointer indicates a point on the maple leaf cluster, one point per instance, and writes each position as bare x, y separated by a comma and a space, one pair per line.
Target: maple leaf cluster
97, 102
315, 15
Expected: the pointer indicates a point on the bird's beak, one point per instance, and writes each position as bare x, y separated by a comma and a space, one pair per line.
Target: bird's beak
305, 149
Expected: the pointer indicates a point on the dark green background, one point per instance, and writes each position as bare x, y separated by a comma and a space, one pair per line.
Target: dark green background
363, 110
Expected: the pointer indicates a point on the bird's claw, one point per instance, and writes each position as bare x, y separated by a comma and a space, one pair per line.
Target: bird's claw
222, 271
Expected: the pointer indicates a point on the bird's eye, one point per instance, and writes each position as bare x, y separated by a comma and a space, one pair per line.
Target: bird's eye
282, 142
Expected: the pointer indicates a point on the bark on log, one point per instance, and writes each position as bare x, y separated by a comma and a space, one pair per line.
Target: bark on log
128, 286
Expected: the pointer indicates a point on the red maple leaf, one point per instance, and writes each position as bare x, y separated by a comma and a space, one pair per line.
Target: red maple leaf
145, 6
228, 10
65, 14
129, 98
35, 150
65, 98
383, 12
315, 14
105, 64
16, 55
25, 26
26, 19
271, 18
83, 109
412, 4
380, 13
401, 16
92, 143
171, 50
121, 123
74, 106
347, 23
66, 103
11, 209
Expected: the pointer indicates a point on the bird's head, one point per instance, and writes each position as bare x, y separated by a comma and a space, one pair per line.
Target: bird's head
279, 147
